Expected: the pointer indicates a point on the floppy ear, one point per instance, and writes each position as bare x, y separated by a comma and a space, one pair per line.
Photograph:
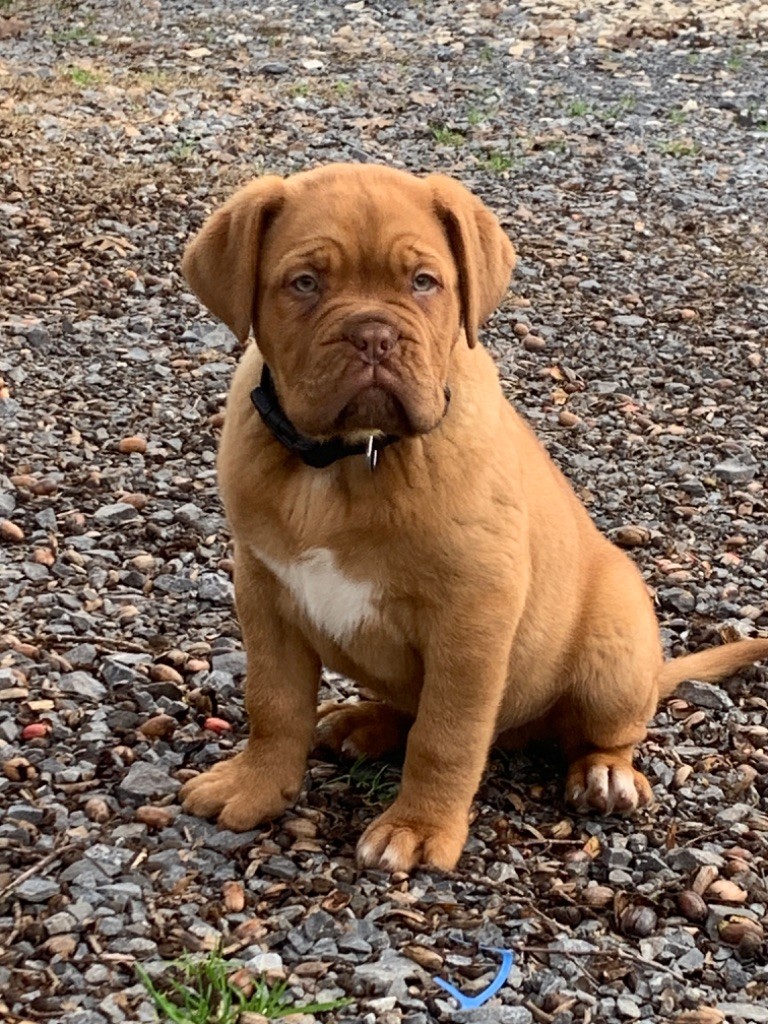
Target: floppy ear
221, 262
484, 255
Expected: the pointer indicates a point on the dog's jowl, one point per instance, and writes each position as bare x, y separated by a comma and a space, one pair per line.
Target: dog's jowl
394, 519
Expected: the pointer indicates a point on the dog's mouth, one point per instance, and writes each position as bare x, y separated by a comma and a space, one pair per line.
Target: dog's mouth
371, 399
385, 403
374, 408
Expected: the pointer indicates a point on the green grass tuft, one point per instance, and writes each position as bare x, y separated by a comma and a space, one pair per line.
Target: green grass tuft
82, 77
578, 108
197, 990
679, 147
378, 782
497, 162
446, 136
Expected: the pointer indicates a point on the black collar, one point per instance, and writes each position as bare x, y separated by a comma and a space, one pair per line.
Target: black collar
317, 454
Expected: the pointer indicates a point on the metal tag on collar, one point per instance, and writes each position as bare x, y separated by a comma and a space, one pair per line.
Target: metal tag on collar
371, 453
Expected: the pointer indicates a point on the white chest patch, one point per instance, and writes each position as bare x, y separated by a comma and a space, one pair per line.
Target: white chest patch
335, 604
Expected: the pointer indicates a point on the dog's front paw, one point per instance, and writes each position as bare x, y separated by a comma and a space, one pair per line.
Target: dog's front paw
242, 792
398, 842
606, 784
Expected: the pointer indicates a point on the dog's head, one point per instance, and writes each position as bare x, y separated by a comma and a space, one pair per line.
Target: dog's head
358, 280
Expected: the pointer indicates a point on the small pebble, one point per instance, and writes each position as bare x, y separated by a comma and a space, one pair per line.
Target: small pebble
154, 817
11, 532
35, 730
568, 419
533, 343
97, 809
132, 444
217, 725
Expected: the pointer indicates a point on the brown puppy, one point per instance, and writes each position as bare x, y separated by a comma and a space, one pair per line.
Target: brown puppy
461, 580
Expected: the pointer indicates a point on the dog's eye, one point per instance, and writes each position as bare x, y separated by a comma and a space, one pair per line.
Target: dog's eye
305, 284
423, 282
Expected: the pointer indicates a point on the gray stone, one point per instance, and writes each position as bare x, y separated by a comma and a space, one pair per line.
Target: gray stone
319, 925
274, 67
734, 813
111, 927
354, 944
221, 337
619, 877
117, 514
97, 974
146, 782
617, 857
735, 472
752, 1012
116, 672
139, 947
262, 962
189, 514
679, 599
35, 572
61, 923
26, 812
225, 841
82, 654
704, 695
110, 1005
693, 960
37, 890
85, 874
687, 859
629, 320
216, 587
81, 911
173, 584
280, 867
493, 1014
650, 863
501, 871
232, 662
109, 859
569, 945
82, 685
627, 1008
387, 976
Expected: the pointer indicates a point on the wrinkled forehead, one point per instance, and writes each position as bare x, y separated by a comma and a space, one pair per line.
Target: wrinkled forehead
358, 220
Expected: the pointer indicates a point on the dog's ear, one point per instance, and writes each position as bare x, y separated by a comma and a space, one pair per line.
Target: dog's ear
221, 262
484, 256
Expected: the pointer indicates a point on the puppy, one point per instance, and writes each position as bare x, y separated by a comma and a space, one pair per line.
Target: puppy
395, 520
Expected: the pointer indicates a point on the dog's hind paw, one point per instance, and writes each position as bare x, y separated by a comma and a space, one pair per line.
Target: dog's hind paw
607, 784
365, 729
242, 792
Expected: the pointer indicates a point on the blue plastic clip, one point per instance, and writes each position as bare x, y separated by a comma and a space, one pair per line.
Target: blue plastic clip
473, 1002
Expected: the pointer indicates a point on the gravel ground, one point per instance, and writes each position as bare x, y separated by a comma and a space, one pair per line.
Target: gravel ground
626, 152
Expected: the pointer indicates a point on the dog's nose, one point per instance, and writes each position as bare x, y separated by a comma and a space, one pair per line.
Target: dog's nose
373, 339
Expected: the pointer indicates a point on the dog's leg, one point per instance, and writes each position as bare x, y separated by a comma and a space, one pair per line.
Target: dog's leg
612, 697
365, 729
446, 751
280, 697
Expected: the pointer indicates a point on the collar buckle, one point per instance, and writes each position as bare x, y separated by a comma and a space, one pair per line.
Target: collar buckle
371, 454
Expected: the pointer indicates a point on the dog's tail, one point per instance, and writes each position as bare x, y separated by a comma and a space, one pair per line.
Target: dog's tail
710, 665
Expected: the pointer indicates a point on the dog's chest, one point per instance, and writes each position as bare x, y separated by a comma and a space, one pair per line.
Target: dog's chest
335, 604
